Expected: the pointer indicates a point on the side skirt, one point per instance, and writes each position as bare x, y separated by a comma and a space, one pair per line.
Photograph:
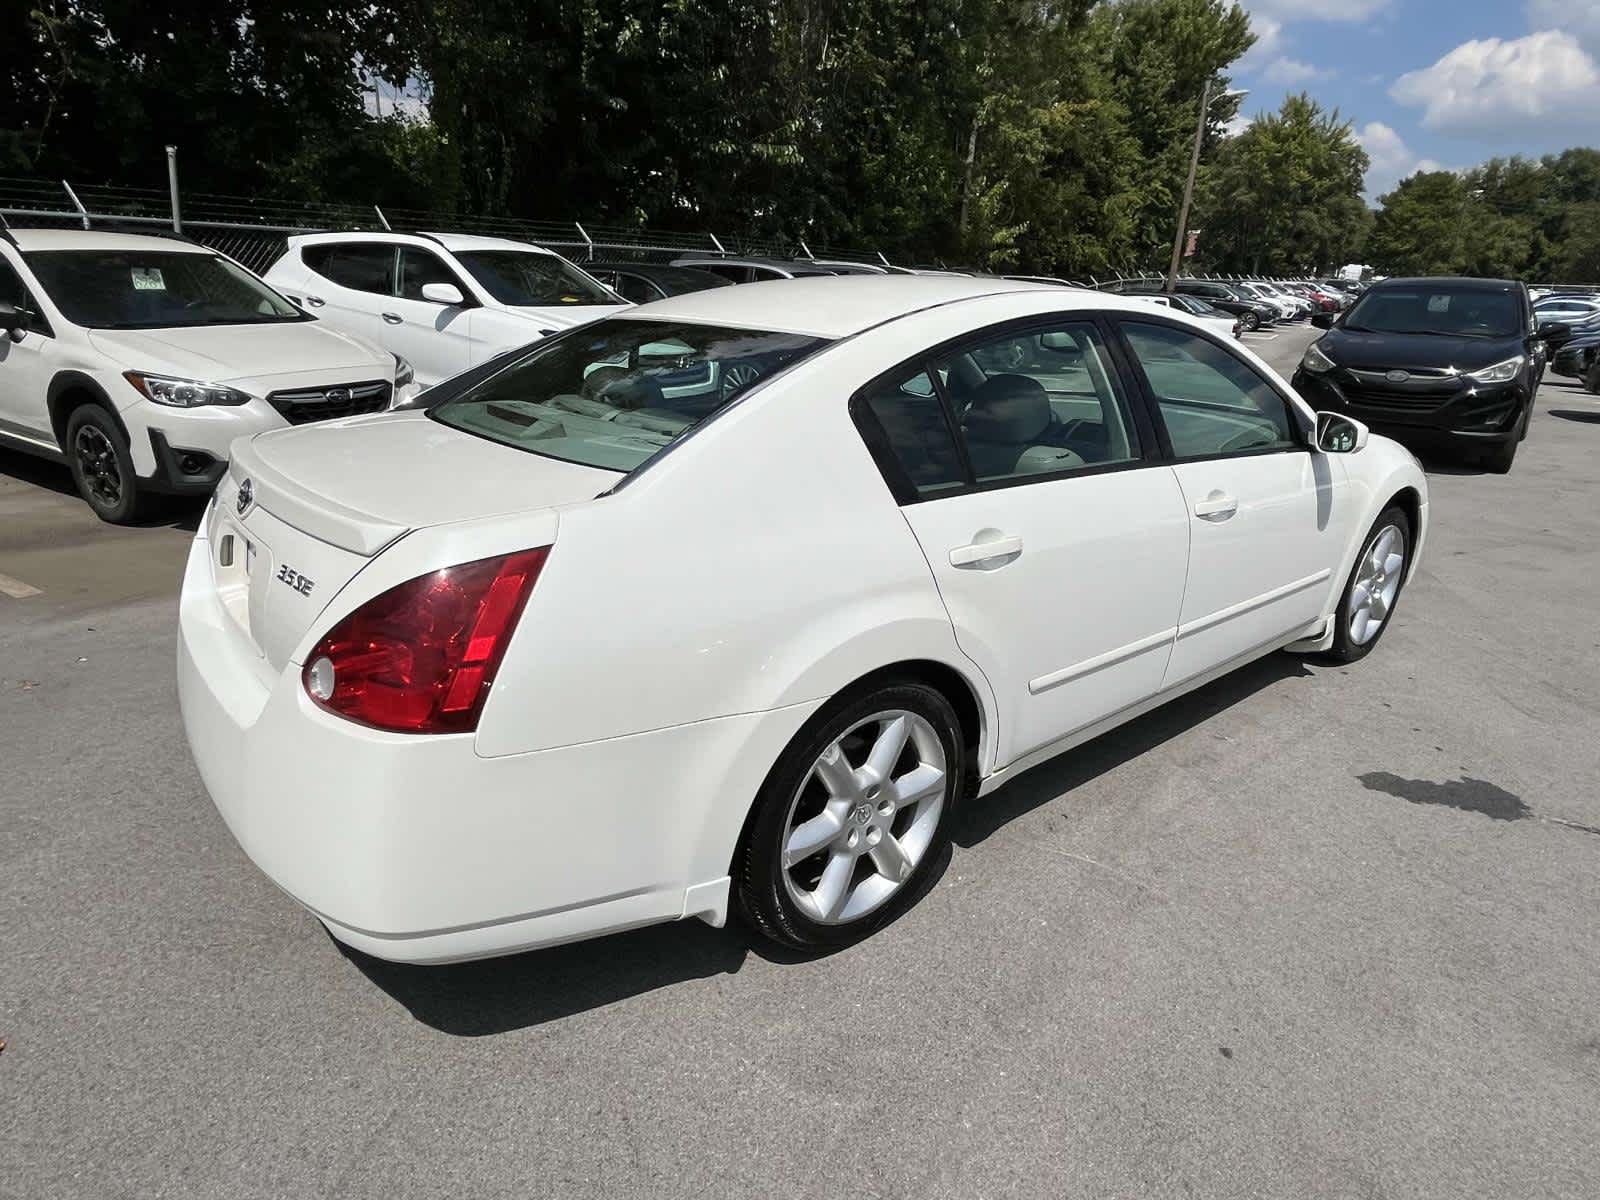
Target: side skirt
1322, 627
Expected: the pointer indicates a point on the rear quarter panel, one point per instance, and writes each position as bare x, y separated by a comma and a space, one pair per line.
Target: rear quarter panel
761, 564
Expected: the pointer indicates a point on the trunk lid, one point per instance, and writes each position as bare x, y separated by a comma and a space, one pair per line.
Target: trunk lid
302, 511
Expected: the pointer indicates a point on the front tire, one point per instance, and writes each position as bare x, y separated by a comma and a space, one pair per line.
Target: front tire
1374, 586
851, 817
102, 467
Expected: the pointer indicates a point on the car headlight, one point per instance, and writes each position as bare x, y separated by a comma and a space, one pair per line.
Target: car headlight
1503, 372
183, 393
1315, 361
404, 372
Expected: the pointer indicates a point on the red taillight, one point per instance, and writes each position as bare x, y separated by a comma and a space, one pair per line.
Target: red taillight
420, 657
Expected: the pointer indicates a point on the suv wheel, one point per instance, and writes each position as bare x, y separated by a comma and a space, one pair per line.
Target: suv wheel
1250, 322
101, 465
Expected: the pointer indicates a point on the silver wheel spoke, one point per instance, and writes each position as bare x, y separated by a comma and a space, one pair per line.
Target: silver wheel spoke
891, 859
816, 834
833, 770
921, 783
1392, 565
887, 749
834, 886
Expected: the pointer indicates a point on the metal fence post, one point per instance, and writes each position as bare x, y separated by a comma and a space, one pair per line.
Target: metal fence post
716, 243
83, 213
382, 220
587, 241
172, 184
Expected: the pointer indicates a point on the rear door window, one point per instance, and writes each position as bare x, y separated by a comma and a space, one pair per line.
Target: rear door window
359, 266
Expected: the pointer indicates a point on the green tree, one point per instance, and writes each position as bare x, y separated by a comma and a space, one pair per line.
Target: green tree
1284, 196
1421, 227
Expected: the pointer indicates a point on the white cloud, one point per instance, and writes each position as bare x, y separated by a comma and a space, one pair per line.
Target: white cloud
1291, 71
1237, 124
1268, 18
1581, 18
1533, 84
1314, 10
1391, 160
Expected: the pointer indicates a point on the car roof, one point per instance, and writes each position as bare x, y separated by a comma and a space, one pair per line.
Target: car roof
835, 306
450, 241
782, 264
646, 268
1462, 282
94, 239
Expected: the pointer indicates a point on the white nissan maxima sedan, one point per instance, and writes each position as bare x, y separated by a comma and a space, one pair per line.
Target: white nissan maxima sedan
553, 654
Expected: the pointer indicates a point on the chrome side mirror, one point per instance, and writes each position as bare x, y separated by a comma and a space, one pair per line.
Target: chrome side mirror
1339, 434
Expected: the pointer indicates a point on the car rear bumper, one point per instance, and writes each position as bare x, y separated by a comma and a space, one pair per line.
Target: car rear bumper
1451, 413
418, 849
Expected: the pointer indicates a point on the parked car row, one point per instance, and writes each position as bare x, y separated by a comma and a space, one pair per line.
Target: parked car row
138, 360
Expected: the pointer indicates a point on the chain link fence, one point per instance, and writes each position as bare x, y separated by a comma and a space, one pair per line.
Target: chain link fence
254, 230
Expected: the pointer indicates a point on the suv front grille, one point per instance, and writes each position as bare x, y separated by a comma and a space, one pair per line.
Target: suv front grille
1421, 389
305, 405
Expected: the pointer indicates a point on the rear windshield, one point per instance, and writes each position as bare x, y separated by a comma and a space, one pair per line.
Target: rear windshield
155, 289
526, 280
615, 393
1443, 310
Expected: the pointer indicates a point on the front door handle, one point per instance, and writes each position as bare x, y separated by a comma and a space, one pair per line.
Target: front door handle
1218, 506
315, 301
393, 318
987, 556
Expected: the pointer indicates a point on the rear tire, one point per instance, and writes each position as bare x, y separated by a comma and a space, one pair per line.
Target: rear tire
102, 466
1373, 588
1249, 322
851, 818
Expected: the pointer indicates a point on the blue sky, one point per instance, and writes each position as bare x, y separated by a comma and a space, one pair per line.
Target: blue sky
1432, 84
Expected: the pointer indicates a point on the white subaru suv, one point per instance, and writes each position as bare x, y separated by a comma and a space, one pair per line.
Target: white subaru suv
138, 360
444, 301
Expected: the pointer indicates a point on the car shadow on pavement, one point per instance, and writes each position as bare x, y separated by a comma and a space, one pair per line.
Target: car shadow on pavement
978, 819
172, 511
498, 995
1573, 414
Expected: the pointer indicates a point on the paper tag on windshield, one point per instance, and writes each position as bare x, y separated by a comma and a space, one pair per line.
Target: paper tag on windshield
1439, 304
148, 279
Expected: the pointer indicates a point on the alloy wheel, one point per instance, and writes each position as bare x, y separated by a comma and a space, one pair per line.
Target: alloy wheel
1377, 584
736, 378
97, 464
863, 817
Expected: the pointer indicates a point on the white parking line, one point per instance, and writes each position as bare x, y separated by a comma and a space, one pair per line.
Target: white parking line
16, 589
1262, 337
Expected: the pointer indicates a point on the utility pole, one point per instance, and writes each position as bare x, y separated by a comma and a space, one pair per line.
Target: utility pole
1188, 190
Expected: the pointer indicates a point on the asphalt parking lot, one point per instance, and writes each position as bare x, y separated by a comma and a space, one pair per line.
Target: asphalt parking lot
1310, 931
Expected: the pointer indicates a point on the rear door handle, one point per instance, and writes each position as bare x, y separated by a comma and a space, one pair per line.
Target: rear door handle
1218, 506
315, 301
987, 556
393, 318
